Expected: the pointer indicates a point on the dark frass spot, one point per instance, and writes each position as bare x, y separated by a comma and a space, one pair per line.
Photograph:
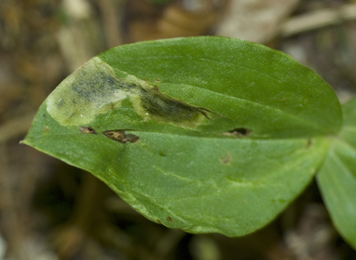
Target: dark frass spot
238, 132
121, 136
309, 143
169, 109
162, 154
169, 219
86, 130
155, 88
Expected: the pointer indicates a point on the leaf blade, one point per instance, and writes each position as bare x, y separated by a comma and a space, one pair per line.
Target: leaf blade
337, 177
195, 144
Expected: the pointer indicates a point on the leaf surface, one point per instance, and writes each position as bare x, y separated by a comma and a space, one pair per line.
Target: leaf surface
337, 177
206, 134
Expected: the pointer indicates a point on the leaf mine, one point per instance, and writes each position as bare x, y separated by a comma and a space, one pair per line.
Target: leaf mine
94, 89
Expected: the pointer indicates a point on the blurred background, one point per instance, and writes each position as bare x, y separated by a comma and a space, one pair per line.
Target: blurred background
50, 211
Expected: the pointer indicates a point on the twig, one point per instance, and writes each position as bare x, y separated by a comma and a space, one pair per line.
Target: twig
318, 19
112, 14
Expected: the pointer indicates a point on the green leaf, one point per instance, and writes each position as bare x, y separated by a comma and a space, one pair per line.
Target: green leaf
337, 177
206, 134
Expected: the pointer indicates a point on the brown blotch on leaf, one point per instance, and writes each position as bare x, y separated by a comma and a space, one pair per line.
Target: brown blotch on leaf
46, 128
238, 132
159, 221
121, 136
169, 219
226, 159
86, 130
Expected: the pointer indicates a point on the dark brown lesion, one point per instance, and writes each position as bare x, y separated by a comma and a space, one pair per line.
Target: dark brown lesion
86, 130
238, 132
121, 136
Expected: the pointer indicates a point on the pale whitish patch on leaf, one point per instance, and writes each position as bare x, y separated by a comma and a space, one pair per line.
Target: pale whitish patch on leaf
90, 90
94, 89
